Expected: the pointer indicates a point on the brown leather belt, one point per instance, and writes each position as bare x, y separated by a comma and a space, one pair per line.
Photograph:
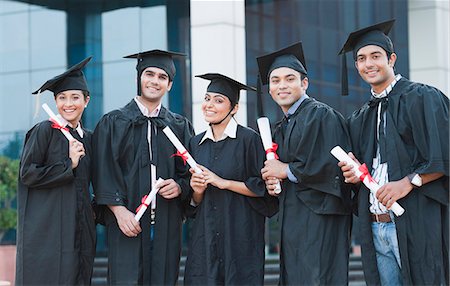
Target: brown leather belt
380, 217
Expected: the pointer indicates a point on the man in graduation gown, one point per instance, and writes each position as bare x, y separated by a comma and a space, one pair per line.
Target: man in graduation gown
56, 226
402, 135
127, 142
315, 213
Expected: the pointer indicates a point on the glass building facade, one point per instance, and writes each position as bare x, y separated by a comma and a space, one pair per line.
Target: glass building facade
322, 27
41, 38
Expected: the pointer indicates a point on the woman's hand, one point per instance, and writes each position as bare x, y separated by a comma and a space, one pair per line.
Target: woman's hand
76, 152
198, 181
211, 178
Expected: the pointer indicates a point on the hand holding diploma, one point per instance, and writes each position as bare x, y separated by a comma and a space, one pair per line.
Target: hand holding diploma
146, 200
76, 148
181, 150
76, 152
362, 172
269, 146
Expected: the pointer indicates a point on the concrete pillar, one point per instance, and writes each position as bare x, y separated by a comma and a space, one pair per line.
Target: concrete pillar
429, 43
217, 45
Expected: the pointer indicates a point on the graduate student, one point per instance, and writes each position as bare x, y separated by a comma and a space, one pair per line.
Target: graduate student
56, 227
227, 243
127, 143
315, 214
401, 133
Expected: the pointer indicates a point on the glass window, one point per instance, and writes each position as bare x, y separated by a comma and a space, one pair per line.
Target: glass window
48, 39
128, 31
32, 50
15, 39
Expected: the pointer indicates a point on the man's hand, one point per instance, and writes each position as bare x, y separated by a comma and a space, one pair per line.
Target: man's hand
393, 191
274, 168
169, 189
348, 172
271, 185
125, 219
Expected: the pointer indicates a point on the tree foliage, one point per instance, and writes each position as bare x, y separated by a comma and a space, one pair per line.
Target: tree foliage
9, 171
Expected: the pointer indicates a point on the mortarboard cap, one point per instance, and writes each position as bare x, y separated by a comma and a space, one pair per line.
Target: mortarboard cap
225, 86
155, 58
291, 57
73, 78
372, 35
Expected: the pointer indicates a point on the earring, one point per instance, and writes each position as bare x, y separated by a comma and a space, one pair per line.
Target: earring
85, 106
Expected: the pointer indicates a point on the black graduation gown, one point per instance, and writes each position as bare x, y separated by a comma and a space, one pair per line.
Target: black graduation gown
315, 213
417, 141
227, 243
56, 228
122, 177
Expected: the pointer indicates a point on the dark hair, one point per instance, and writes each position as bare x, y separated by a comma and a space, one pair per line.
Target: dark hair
85, 93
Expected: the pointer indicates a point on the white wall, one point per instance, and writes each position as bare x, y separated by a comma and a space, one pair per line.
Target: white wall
217, 45
429, 43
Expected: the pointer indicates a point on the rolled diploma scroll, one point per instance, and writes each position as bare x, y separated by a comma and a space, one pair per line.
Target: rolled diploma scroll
150, 197
56, 119
266, 137
153, 182
173, 138
340, 154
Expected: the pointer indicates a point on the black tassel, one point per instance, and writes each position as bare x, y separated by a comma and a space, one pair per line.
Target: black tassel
259, 104
344, 75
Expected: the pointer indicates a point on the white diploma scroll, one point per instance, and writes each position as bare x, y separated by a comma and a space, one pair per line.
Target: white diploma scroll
57, 120
368, 181
150, 198
181, 149
266, 137
153, 182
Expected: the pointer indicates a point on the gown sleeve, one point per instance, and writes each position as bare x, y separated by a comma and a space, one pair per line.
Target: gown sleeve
108, 181
254, 155
313, 165
37, 168
428, 117
254, 161
182, 175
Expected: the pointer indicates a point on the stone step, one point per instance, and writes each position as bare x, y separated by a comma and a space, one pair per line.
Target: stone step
271, 268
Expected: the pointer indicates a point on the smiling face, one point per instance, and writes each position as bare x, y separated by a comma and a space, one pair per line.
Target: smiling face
71, 104
375, 67
154, 84
286, 87
216, 106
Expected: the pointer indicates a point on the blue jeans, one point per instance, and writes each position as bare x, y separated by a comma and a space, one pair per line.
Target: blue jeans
388, 255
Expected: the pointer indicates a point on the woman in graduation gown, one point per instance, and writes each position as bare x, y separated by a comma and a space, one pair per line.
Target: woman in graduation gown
56, 228
229, 196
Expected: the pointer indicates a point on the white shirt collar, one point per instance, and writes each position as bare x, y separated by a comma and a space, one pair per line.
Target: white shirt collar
388, 89
65, 123
144, 109
230, 131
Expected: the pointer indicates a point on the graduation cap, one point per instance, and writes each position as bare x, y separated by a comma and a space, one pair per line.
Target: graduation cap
155, 58
290, 57
73, 78
372, 35
225, 85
